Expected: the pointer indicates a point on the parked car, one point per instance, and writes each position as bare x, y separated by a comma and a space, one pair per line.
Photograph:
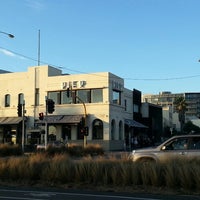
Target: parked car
182, 146
57, 144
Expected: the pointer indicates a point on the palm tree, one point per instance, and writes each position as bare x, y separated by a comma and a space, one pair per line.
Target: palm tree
180, 106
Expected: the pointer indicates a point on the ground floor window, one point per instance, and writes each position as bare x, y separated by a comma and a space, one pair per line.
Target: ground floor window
97, 129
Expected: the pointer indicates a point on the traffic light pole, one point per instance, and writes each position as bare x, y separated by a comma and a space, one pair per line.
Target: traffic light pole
46, 124
85, 117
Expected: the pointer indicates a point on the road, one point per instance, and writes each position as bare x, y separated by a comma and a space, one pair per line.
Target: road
29, 193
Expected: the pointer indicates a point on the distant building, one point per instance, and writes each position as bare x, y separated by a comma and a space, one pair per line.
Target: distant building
166, 99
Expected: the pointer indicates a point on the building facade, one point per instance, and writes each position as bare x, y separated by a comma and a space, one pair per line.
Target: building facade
98, 98
166, 99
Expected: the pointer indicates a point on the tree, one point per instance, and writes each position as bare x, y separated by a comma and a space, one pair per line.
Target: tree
180, 106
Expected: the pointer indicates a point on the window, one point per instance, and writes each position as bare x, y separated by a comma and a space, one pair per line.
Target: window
178, 144
20, 98
125, 105
55, 96
120, 130
76, 96
194, 143
84, 95
66, 133
135, 108
7, 100
116, 97
113, 129
96, 96
97, 129
65, 99
37, 96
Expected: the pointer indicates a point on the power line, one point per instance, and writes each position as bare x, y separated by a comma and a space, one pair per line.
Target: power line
81, 72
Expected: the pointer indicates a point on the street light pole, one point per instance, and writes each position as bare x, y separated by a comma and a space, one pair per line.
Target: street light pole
8, 34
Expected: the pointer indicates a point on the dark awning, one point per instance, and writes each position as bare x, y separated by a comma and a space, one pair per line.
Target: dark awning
10, 120
134, 123
61, 119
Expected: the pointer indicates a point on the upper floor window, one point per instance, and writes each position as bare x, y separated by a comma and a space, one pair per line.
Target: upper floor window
37, 96
84, 95
76, 96
96, 95
55, 96
116, 97
65, 99
7, 100
20, 98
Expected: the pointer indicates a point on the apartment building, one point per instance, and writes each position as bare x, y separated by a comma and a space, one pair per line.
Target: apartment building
166, 99
98, 98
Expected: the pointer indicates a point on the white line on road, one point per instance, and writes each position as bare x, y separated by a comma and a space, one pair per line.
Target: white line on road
44, 193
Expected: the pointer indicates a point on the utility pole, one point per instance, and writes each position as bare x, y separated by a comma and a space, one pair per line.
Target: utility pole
38, 47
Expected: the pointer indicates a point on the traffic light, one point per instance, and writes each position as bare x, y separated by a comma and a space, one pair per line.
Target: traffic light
68, 92
82, 122
19, 110
41, 116
85, 131
50, 106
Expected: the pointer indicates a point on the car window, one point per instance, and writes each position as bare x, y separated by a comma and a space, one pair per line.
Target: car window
194, 143
177, 144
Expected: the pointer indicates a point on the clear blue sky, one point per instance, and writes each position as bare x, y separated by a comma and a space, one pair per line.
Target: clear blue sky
153, 44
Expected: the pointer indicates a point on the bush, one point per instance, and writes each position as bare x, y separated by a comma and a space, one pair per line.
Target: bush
93, 150
10, 150
181, 175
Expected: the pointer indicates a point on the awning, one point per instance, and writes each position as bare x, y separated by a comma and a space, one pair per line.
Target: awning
134, 123
10, 120
60, 119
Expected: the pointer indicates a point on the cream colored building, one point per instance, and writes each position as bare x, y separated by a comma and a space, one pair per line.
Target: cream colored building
101, 97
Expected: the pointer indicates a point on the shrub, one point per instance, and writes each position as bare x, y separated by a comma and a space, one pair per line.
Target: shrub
100, 171
93, 150
10, 150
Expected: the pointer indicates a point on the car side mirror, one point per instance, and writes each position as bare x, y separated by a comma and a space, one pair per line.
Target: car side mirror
163, 148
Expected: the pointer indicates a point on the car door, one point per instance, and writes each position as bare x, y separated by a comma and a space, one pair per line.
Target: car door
175, 148
194, 147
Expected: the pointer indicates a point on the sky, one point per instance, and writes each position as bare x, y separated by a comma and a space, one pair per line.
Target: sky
154, 45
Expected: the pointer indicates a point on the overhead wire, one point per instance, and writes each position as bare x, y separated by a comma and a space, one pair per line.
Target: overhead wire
77, 71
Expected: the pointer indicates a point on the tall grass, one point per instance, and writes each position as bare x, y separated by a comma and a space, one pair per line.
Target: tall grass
182, 175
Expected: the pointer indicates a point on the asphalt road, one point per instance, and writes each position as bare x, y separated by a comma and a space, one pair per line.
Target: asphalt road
29, 193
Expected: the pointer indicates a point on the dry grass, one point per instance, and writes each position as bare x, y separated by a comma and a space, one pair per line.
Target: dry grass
182, 175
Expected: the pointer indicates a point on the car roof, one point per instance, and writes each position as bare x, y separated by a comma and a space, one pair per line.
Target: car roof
179, 136
186, 135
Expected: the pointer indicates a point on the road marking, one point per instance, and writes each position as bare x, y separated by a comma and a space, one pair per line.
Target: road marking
48, 194
16, 198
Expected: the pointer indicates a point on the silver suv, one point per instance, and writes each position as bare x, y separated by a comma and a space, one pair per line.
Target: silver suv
182, 146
